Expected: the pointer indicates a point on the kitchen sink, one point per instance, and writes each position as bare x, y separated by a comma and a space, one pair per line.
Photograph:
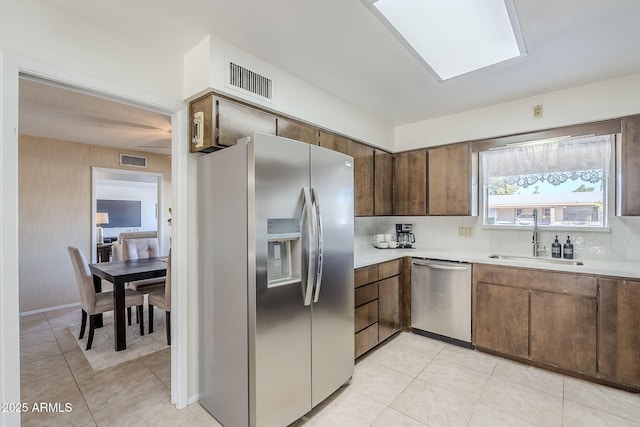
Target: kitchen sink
537, 259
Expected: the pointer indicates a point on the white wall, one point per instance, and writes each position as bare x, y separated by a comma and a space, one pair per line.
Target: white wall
41, 31
621, 243
582, 104
292, 96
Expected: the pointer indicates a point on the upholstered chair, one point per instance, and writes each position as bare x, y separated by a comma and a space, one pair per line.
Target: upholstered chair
94, 303
117, 246
162, 299
142, 247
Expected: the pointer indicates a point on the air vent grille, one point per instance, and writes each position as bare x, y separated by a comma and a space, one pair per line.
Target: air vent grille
250, 81
129, 160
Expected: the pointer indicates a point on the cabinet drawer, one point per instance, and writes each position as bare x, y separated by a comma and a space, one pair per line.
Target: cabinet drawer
366, 275
366, 315
366, 339
365, 294
389, 268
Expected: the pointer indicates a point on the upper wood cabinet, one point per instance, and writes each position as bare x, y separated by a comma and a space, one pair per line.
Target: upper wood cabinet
362, 169
236, 121
630, 167
410, 183
383, 183
299, 131
449, 180
220, 123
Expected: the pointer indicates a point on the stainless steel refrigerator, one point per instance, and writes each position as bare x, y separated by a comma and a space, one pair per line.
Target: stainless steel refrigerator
276, 279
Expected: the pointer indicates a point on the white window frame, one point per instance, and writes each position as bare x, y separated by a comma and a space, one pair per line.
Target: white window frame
608, 208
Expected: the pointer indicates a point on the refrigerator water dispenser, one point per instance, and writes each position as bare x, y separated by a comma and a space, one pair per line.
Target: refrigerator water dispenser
283, 254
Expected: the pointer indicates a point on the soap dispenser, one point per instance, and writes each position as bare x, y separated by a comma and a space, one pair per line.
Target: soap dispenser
556, 249
568, 249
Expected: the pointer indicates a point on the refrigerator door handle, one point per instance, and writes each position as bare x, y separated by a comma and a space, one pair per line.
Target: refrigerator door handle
320, 259
308, 214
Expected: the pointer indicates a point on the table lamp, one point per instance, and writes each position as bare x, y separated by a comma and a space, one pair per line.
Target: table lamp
101, 218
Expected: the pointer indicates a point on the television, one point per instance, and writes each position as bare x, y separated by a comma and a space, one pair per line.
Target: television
122, 213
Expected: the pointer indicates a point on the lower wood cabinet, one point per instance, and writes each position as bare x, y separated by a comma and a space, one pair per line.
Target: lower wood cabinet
580, 324
377, 304
388, 307
563, 331
502, 319
619, 331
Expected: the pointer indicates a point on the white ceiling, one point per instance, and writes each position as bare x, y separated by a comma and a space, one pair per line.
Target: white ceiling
338, 45
51, 111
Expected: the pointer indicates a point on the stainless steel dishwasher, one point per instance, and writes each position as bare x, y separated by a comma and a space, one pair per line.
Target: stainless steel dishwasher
441, 300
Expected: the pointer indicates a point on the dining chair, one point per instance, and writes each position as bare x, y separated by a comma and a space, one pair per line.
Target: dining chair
162, 299
117, 246
94, 303
135, 247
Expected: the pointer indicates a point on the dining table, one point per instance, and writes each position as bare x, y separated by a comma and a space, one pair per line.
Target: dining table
119, 273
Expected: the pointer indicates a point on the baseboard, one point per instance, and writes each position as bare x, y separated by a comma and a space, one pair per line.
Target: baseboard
44, 310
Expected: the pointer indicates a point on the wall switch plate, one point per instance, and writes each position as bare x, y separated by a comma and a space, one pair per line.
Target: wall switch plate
465, 231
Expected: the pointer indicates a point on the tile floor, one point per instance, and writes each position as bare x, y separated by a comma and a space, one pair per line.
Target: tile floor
411, 381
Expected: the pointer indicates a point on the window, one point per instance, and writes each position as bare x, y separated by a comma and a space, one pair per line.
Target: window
566, 180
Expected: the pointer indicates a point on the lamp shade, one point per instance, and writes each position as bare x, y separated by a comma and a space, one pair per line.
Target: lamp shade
102, 218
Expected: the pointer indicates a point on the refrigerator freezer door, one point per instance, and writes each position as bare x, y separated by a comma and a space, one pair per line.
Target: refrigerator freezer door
332, 314
280, 352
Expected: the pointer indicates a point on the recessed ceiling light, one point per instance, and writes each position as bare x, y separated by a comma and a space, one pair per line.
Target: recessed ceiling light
453, 37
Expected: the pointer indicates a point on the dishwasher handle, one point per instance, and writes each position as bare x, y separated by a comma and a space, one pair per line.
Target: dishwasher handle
441, 266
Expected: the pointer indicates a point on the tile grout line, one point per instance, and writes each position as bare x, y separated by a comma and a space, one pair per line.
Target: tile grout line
75, 380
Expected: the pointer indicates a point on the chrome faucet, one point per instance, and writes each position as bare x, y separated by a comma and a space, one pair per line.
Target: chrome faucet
536, 244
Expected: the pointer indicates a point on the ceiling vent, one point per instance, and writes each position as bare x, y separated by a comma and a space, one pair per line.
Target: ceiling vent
129, 160
250, 81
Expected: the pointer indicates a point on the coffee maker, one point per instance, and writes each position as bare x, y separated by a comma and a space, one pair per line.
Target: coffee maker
404, 235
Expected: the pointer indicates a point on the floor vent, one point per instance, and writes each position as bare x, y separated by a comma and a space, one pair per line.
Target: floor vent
129, 160
250, 81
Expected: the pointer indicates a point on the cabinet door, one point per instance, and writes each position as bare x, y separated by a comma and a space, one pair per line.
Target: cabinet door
630, 157
236, 121
366, 315
502, 319
450, 180
366, 339
388, 307
362, 169
383, 184
410, 183
299, 131
563, 331
619, 331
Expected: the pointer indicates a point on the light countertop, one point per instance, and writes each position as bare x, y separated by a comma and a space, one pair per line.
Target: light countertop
369, 256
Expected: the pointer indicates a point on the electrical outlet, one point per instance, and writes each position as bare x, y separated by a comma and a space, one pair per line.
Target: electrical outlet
537, 111
465, 231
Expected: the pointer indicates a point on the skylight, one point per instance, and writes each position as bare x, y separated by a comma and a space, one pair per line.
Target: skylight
453, 37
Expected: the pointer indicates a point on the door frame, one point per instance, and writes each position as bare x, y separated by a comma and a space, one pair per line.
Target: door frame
11, 67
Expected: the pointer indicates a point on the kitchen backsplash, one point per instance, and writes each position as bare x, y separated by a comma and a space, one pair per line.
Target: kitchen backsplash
621, 242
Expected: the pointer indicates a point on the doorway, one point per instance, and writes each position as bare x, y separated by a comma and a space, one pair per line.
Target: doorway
51, 216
